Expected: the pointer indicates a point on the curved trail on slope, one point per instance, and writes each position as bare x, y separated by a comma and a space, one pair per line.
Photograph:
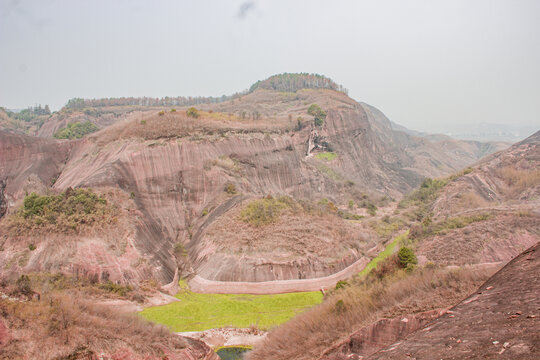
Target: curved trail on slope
201, 285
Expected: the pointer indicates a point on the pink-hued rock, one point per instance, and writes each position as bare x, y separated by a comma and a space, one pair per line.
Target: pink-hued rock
4, 334
491, 323
201, 285
379, 335
174, 177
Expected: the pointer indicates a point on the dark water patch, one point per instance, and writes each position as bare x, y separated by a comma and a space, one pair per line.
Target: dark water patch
232, 352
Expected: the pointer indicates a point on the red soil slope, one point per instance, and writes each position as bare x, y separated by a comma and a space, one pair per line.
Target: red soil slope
500, 321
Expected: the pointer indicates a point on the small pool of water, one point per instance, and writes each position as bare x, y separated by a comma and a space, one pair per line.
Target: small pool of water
232, 353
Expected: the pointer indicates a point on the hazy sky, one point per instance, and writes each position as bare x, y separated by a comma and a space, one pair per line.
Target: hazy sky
425, 64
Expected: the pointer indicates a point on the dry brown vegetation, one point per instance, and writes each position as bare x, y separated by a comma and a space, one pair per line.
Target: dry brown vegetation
346, 310
499, 237
66, 326
152, 126
519, 179
280, 227
71, 211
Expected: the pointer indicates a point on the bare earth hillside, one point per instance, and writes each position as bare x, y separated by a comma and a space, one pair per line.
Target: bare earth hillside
473, 222
176, 170
500, 321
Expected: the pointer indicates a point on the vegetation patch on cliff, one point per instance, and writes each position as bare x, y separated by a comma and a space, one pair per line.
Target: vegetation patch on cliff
69, 211
197, 312
76, 130
326, 156
388, 251
265, 211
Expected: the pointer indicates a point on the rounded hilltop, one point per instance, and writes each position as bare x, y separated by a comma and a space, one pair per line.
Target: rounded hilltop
292, 82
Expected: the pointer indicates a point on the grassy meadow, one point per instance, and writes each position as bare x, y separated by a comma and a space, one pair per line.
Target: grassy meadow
197, 312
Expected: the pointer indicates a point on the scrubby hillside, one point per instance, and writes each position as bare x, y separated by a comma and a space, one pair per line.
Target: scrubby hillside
64, 320
501, 320
499, 198
459, 230
185, 171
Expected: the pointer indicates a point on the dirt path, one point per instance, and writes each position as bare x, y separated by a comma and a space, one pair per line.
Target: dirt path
201, 285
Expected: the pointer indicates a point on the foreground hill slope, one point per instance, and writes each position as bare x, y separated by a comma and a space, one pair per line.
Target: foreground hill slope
72, 325
501, 320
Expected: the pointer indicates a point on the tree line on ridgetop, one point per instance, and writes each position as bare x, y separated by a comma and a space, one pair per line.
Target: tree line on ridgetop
283, 82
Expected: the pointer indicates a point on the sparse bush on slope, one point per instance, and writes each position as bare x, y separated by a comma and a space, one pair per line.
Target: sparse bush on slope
65, 212
265, 211
406, 257
342, 312
318, 114
192, 112
63, 325
76, 130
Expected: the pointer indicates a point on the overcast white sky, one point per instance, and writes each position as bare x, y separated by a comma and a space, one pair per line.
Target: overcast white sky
425, 64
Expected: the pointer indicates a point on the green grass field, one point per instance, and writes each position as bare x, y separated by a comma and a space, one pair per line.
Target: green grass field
196, 312
389, 250
326, 156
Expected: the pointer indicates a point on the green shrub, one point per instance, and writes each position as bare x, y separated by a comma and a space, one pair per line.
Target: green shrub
326, 156
341, 284
161, 113
299, 124
348, 216
427, 191
406, 256
351, 204
173, 110
265, 211
114, 288
340, 307
318, 114
192, 112
66, 211
230, 188
76, 130
372, 209
457, 222
32, 247
23, 285
143, 122
180, 250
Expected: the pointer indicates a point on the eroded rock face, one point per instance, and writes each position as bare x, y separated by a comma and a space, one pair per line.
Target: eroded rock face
28, 163
504, 188
269, 252
379, 335
175, 178
501, 320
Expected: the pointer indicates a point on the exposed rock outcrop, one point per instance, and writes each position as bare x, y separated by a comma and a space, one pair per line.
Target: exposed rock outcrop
379, 335
501, 320
175, 169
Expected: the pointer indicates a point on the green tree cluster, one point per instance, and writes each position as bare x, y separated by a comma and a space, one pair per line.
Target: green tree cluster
192, 112
318, 114
76, 130
65, 211
406, 257
292, 82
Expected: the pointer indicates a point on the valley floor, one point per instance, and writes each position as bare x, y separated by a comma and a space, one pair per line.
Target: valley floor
198, 312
